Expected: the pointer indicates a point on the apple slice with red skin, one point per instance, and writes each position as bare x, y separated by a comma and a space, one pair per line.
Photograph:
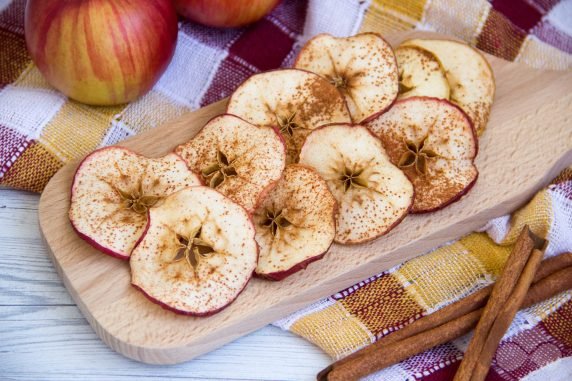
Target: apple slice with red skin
373, 194
434, 142
294, 101
420, 74
362, 67
240, 160
295, 224
471, 79
198, 253
113, 189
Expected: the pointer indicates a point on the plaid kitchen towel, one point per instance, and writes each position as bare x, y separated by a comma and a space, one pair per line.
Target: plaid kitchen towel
538, 342
41, 130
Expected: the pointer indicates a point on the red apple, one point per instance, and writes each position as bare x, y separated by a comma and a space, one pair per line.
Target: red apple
101, 52
225, 13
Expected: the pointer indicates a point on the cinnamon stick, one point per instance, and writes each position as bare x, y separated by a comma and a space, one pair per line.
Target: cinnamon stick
454, 310
395, 352
551, 265
501, 291
506, 316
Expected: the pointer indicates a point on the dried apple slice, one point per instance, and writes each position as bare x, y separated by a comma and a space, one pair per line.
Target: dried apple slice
373, 194
240, 160
362, 67
198, 253
469, 74
295, 101
433, 141
112, 191
420, 74
295, 224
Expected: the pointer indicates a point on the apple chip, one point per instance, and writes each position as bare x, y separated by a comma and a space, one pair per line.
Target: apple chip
112, 192
362, 67
373, 194
295, 224
198, 253
240, 160
420, 74
471, 79
295, 101
433, 141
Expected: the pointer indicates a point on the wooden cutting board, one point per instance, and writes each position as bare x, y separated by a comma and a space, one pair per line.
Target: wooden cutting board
527, 142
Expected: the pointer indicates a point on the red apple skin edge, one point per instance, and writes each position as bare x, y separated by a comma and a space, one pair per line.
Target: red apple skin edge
101, 52
270, 186
225, 13
373, 116
198, 176
106, 250
454, 199
390, 228
396, 94
398, 221
280, 275
293, 68
187, 313
103, 249
449, 103
465, 190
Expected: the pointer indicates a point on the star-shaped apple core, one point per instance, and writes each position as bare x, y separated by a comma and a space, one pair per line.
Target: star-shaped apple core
192, 249
416, 154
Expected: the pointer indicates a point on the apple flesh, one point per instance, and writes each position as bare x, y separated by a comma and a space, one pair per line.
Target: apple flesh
420, 74
362, 67
435, 144
471, 79
198, 253
295, 224
238, 159
112, 192
295, 101
373, 194
101, 52
225, 13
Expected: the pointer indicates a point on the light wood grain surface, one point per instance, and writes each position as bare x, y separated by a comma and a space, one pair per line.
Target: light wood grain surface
528, 141
43, 335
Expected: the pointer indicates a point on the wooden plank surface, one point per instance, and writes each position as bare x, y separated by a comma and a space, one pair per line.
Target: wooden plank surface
44, 336
527, 142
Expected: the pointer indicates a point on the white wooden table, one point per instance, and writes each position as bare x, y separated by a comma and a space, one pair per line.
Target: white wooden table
43, 335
